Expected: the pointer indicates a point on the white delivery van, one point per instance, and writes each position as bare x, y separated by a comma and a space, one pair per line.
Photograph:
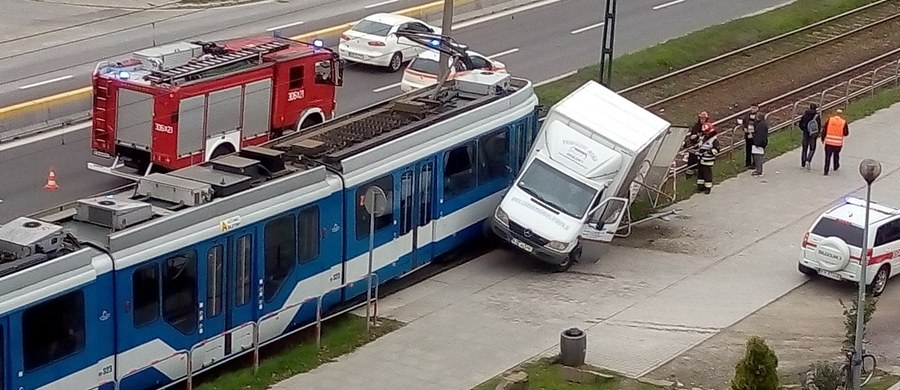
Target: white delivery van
576, 182
833, 244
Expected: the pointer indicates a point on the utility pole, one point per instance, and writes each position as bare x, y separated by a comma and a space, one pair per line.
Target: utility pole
446, 27
609, 35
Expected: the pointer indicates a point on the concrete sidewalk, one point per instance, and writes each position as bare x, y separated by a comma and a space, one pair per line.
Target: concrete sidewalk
659, 293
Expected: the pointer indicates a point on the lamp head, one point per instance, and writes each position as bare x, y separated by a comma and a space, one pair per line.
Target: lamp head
869, 169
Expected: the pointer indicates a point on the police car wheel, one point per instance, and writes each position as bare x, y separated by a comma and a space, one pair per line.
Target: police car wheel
879, 282
806, 270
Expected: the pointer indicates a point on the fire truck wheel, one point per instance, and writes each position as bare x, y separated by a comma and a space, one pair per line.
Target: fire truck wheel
396, 62
311, 120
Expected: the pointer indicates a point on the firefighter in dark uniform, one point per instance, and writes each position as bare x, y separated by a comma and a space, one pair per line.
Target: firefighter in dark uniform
707, 152
692, 141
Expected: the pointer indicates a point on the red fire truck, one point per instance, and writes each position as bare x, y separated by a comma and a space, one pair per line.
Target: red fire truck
181, 104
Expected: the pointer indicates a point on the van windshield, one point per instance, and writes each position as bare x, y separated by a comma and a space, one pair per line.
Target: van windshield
556, 189
828, 227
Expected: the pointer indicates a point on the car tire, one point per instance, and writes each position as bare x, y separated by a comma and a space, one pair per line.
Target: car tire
879, 282
396, 62
573, 257
806, 270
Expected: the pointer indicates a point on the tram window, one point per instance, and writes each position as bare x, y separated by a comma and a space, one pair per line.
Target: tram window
386, 183
281, 253
214, 259
53, 330
242, 273
308, 235
145, 292
179, 290
494, 156
459, 170
406, 202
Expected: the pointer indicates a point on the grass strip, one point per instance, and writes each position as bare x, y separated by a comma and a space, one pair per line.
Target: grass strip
545, 374
296, 355
655, 61
780, 142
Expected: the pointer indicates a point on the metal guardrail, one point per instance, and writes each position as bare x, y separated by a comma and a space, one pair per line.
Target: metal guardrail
188, 354
787, 116
38, 128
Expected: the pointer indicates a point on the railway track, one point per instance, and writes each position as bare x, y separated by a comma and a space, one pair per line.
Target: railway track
685, 83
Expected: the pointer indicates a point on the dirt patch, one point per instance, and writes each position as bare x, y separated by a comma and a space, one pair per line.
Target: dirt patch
802, 327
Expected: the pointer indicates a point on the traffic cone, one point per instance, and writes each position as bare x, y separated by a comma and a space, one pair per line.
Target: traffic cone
51, 181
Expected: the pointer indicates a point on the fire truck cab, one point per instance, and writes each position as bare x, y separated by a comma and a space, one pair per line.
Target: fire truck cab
181, 104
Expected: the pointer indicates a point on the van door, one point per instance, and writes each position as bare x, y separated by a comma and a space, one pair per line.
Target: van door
602, 226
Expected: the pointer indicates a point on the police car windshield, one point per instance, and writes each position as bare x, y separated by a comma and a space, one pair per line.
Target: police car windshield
557, 190
828, 227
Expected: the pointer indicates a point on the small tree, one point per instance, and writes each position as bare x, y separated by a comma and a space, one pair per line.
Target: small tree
850, 320
758, 369
821, 376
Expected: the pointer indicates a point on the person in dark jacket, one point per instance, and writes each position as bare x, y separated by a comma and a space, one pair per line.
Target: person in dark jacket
748, 119
810, 126
692, 141
759, 139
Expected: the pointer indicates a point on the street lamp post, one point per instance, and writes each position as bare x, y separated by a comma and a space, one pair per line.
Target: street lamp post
869, 169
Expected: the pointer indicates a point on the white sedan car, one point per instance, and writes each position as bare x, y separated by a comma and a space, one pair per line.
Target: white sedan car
423, 71
373, 40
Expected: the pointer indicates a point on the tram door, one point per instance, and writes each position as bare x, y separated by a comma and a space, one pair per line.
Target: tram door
228, 289
3, 359
417, 208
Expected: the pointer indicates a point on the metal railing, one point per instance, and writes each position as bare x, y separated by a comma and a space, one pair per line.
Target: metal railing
786, 116
254, 347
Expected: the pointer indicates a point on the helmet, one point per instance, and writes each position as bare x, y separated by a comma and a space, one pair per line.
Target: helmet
703, 114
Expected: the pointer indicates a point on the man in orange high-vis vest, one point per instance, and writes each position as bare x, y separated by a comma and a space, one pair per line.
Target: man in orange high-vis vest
833, 137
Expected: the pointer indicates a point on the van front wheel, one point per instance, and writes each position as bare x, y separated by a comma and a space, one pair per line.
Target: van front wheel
572, 258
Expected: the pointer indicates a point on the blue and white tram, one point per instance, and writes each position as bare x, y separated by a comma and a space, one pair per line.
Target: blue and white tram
120, 291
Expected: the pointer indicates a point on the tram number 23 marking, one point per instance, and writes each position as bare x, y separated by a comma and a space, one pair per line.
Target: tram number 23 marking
106, 370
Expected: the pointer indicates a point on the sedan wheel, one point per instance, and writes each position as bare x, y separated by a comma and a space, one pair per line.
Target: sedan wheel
396, 62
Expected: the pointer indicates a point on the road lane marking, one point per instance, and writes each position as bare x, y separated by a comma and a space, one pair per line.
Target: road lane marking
380, 4
45, 82
385, 88
42, 136
557, 78
505, 13
503, 53
583, 29
285, 26
669, 4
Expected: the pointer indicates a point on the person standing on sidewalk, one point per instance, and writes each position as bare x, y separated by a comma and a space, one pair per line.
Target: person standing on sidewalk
693, 141
759, 140
810, 126
833, 137
747, 123
707, 152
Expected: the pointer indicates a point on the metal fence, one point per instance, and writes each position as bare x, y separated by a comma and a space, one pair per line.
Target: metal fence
786, 116
186, 356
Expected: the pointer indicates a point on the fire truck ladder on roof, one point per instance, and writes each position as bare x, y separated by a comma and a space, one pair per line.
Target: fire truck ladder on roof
195, 67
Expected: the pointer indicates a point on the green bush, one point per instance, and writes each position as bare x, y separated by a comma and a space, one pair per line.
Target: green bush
758, 369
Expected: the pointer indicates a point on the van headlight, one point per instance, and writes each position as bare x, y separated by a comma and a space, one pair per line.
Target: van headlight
501, 216
557, 245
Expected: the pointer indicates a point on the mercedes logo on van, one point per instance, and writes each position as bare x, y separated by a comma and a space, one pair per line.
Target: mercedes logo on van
527, 233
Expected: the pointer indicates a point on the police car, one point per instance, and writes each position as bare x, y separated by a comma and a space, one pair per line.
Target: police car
832, 246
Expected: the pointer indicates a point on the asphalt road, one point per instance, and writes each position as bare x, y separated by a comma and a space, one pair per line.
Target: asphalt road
561, 45
41, 42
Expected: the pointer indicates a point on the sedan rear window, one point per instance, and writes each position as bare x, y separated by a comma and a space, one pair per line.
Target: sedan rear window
424, 65
828, 227
373, 28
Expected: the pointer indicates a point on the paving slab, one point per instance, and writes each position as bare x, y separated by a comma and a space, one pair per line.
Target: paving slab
667, 288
